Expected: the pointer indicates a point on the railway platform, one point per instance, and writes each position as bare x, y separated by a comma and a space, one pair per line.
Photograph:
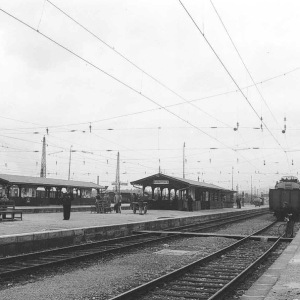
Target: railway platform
59, 208
47, 218
39, 231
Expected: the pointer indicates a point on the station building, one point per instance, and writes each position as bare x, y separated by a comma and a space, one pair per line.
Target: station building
171, 193
27, 190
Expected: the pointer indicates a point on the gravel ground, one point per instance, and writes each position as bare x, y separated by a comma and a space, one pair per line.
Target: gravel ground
252, 225
259, 247
245, 227
102, 278
251, 278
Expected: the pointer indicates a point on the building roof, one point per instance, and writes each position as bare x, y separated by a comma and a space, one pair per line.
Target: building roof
175, 182
40, 181
125, 191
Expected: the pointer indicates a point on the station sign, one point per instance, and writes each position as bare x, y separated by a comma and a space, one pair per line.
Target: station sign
160, 181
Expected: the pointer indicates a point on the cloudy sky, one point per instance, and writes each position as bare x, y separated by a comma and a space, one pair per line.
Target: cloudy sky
145, 77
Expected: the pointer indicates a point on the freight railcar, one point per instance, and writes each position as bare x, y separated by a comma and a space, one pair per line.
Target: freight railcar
287, 190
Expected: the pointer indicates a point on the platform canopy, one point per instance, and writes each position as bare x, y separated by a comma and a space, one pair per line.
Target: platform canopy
166, 181
9, 180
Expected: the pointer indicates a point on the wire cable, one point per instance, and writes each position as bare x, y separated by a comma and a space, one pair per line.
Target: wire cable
114, 78
230, 75
132, 63
154, 109
244, 63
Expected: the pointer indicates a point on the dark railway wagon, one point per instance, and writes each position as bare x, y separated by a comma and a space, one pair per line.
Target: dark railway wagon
287, 190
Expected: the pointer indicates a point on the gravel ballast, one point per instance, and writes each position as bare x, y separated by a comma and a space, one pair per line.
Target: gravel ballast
105, 278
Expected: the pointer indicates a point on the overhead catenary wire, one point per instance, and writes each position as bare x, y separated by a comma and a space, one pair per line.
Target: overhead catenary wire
244, 63
88, 122
135, 65
227, 71
147, 110
111, 76
245, 67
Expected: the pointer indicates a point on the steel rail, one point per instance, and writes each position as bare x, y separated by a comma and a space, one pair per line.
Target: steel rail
58, 256
30, 261
224, 290
146, 287
244, 216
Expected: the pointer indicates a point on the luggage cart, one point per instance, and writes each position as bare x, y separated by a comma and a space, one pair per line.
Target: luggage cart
141, 206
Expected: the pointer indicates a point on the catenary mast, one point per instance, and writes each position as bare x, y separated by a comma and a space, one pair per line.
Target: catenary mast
118, 174
43, 163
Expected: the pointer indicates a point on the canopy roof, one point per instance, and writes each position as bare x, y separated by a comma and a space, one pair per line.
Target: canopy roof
43, 182
162, 180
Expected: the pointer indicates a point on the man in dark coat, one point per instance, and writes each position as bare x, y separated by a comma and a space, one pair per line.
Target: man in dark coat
288, 214
238, 202
67, 199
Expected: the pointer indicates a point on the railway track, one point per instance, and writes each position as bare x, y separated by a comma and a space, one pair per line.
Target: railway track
215, 223
14, 265
209, 278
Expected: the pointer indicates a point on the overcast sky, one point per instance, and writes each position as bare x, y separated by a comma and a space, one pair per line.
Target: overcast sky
146, 71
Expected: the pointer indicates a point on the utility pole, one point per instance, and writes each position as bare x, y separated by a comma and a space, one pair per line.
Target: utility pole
118, 175
183, 160
251, 190
159, 166
117, 182
43, 164
232, 178
70, 163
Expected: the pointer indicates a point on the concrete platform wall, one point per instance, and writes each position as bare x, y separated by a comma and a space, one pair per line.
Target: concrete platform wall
24, 243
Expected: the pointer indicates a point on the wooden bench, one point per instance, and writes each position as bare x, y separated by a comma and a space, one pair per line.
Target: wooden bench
8, 208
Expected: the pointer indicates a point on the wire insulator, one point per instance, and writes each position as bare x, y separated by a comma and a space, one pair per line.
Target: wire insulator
284, 127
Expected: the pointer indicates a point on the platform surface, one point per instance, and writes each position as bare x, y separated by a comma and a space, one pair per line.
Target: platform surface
41, 222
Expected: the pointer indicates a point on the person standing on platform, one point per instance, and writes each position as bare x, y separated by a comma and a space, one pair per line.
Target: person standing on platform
238, 202
97, 204
67, 200
118, 202
190, 203
288, 215
5, 200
